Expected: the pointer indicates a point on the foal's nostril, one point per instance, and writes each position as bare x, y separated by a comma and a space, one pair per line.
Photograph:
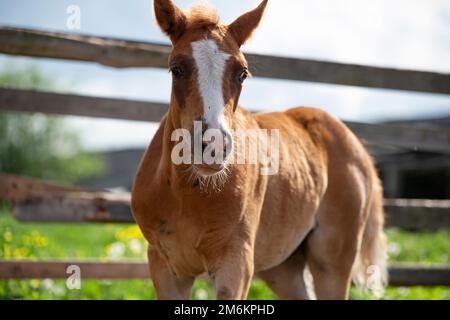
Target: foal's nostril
217, 145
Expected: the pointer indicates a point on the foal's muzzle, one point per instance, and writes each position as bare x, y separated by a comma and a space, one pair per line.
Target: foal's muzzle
212, 148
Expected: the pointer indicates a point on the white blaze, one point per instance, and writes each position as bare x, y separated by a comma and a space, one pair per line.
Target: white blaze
211, 62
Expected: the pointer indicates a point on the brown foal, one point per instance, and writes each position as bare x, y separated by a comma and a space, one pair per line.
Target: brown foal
322, 209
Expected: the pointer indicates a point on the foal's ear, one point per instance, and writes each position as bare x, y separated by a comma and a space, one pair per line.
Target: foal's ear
243, 27
171, 19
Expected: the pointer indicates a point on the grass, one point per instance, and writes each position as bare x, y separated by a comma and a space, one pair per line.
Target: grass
115, 242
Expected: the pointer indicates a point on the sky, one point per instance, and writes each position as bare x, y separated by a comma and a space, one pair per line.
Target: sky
412, 34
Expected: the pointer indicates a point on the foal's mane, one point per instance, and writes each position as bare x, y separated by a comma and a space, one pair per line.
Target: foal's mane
201, 15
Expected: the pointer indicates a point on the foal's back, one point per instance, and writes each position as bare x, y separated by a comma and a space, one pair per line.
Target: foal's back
326, 182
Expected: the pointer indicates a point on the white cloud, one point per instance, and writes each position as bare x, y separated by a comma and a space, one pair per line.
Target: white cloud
401, 34
381, 32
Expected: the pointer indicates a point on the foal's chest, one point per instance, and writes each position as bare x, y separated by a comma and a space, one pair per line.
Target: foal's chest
176, 239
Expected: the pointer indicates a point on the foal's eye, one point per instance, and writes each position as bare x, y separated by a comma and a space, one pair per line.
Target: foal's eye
243, 75
177, 72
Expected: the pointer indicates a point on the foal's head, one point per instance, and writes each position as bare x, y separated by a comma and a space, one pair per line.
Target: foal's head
208, 69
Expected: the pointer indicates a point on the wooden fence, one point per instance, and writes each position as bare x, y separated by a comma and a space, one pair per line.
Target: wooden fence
123, 54
39, 201
419, 138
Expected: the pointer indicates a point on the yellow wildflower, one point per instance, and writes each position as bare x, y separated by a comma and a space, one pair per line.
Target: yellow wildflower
8, 236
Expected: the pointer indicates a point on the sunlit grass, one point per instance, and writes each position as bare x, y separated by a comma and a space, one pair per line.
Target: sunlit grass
108, 241
424, 248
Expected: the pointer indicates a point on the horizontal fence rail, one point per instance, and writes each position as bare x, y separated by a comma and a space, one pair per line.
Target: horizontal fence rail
35, 201
57, 269
76, 105
121, 54
399, 275
433, 139
417, 214
418, 138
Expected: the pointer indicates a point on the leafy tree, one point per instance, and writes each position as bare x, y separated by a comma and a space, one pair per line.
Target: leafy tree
37, 145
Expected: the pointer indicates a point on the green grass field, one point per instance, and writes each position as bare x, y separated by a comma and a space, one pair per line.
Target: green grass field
115, 242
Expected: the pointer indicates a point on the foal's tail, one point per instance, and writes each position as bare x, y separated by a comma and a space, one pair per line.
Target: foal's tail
370, 270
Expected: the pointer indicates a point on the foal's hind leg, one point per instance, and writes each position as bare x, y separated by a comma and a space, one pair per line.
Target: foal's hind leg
286, 279
331, 252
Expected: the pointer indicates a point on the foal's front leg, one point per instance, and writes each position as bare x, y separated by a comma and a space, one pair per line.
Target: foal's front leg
167, 285
234, 273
